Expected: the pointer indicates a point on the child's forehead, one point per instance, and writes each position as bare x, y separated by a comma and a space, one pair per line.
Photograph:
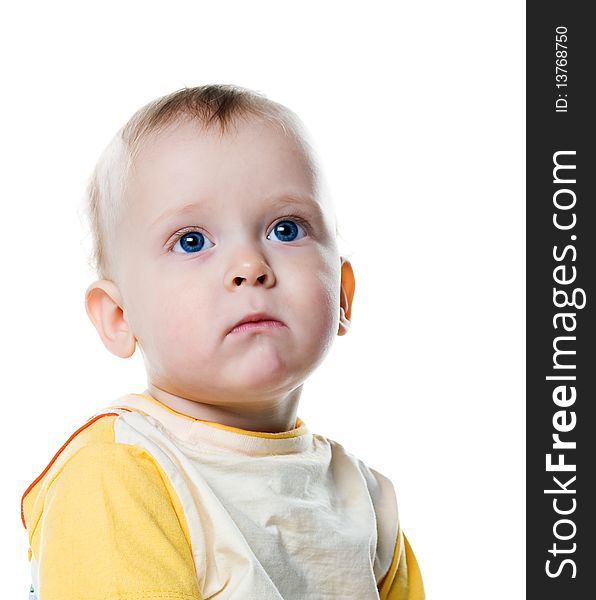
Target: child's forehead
184, 131
187, 169
253, 156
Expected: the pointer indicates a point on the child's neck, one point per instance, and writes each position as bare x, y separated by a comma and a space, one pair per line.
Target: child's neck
271, 416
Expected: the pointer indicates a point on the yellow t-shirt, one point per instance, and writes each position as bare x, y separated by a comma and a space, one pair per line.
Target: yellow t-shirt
144, 503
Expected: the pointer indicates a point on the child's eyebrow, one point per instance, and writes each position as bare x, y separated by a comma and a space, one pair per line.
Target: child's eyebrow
291, 200
179, 210
286, 200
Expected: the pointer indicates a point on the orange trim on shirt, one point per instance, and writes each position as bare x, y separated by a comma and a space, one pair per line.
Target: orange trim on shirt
40, 476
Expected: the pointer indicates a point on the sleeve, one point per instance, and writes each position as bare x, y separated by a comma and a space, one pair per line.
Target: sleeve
110, 530
403, 580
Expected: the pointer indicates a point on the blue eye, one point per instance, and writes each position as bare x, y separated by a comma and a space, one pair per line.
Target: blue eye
191, 241
286, 231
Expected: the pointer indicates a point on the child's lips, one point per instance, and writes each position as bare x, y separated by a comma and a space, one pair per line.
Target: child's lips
257, 325
256, 321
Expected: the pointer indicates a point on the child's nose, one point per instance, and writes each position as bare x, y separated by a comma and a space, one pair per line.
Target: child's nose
250, 271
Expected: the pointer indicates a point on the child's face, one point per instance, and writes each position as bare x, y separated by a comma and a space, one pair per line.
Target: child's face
181, 298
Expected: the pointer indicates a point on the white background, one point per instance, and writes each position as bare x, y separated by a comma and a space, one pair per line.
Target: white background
417, 109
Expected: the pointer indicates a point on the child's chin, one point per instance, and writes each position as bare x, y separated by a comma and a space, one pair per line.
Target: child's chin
260, 380
264, 375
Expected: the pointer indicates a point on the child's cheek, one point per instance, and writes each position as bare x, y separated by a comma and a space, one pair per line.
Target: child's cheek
320, 306
182, 329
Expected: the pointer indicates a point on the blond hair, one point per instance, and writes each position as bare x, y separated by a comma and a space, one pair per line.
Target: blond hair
212, 106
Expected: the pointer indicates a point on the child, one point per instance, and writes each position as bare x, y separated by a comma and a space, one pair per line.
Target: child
216, 251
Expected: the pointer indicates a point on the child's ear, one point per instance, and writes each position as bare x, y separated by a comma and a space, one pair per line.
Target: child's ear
348, 284
103, 304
